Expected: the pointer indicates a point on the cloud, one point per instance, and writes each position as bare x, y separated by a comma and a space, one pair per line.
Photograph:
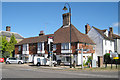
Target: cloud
116, 24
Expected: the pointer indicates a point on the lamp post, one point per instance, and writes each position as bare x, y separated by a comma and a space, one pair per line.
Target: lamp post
65, 8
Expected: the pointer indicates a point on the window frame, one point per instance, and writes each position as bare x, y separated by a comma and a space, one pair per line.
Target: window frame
64, 46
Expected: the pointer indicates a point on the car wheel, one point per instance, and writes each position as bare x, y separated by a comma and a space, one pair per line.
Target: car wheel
38, 64
19, 62
7, 62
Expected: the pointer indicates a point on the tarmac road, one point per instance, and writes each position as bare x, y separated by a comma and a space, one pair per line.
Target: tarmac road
25, 71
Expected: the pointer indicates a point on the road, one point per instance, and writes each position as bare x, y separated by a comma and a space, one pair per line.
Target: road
25, 71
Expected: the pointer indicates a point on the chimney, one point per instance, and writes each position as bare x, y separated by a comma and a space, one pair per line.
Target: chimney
66, 19
8, 28
87, 28
41, 33
110, 31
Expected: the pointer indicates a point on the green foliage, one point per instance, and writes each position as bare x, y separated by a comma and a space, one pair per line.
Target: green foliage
84, 63
3, 46
6, 48
11, 45
107, 58
89, 60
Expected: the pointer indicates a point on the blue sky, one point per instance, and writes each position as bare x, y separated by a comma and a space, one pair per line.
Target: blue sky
29, 18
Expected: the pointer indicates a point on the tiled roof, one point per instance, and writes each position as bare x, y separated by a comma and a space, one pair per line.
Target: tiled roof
115, 36
37, 39
9, 34
62, 35
102, 33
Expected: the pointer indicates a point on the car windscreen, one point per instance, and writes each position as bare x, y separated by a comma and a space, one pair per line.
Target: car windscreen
12, 59
38, 59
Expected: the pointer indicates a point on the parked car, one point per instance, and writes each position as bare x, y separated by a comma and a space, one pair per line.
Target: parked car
43, 61
13, 60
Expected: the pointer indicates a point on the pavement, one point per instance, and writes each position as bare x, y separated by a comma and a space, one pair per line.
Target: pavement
26, 71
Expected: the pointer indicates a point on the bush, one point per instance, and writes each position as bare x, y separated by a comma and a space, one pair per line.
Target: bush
89, 60
107, 59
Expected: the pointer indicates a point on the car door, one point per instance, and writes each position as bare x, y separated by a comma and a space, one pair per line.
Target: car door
11, 60
15, 60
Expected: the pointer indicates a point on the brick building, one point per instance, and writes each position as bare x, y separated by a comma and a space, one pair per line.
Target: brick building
78, 41
30, 47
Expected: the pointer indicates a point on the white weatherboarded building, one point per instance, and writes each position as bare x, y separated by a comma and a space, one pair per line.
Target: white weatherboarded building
104, 43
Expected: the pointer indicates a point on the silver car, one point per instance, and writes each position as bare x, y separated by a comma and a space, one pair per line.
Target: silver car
14, 60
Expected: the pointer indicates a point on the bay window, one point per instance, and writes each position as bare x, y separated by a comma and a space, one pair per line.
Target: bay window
65, 46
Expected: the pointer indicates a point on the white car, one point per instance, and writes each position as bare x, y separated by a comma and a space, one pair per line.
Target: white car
43, 61
14, 60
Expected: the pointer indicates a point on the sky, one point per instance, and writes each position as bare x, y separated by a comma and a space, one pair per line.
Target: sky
29, 18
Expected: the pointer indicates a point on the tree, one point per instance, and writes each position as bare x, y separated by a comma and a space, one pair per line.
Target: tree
11, 45
4, 47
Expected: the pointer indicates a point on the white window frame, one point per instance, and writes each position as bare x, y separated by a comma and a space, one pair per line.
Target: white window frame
110, 43
105, 42
19, 48
39, 46
65, 46
25, 47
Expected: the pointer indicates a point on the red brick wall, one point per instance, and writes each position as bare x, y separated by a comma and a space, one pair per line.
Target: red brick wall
16, 50
58, 49
87, 47
33, 48
74, 47
45, 48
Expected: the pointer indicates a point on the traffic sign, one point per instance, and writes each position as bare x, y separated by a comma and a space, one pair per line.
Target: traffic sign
116, 58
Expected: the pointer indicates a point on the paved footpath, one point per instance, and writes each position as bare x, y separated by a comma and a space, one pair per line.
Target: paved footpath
25, 71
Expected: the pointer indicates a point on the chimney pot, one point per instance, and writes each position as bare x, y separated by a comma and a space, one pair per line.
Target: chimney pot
87, 28
110, 31
8, 28
41, 33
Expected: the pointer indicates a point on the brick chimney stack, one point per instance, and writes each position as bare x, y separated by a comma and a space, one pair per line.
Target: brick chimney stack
110, 31
41, 33
8, 28
66, 19
87, 28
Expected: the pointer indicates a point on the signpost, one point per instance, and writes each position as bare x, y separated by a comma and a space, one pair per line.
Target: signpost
114, 56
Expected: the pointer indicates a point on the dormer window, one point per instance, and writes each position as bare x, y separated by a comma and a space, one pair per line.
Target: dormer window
106, 33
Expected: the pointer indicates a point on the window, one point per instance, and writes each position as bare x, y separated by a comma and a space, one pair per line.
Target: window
105, 51
105, 42
19, 48
54, 47
111, 43
25, 47
65, 46
39, 46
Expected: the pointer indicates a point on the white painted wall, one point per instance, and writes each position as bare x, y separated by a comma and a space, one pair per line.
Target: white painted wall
118, 46
30, 58
100, 43
97, 38
107, 46
84, 58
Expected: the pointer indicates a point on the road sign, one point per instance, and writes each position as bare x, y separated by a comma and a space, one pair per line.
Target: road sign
114, 55
116, 58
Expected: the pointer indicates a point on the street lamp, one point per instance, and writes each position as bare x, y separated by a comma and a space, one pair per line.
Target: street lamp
65, 8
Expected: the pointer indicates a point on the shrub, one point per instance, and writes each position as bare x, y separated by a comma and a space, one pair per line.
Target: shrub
89, 60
